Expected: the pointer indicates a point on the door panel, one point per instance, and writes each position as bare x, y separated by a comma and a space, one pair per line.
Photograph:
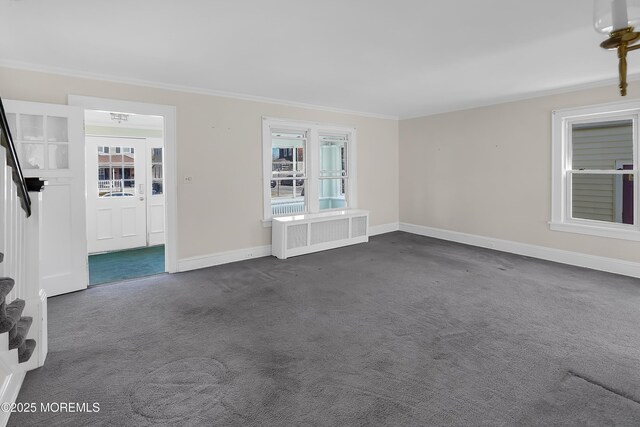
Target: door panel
116, 199
129, 222
104, 223
50, 142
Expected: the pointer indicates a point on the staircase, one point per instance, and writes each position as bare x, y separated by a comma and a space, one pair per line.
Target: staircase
23, 302
11, 321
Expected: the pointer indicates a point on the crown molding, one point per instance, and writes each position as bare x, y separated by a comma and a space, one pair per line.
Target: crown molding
244, 97
186, 89
523, 97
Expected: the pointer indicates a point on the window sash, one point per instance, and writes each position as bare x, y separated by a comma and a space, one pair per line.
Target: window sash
569, 171
570, 218
567, 139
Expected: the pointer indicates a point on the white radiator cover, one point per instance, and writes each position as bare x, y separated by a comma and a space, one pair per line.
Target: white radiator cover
302, 234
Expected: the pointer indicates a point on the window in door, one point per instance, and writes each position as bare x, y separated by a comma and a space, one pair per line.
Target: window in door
157, 183
116, 171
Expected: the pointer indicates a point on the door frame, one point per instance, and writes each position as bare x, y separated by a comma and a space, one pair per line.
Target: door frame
170, 160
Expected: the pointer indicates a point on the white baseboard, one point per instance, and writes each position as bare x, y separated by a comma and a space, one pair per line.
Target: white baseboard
594, 262
384, 228
219, 258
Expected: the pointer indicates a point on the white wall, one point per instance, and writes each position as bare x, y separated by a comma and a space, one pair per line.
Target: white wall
487, 172
219, 145
484, 171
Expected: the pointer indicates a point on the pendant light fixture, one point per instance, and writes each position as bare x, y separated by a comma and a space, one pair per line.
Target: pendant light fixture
617, 18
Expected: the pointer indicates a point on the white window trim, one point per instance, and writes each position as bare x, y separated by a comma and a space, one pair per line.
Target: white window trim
313, 129
561, 151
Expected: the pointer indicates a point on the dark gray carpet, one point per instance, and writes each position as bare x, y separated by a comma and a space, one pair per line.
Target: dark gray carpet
403, 331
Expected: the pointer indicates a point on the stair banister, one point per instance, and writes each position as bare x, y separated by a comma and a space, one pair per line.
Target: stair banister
6, 141
23, 304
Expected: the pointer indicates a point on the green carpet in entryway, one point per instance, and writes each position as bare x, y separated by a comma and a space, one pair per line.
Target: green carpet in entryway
128, 264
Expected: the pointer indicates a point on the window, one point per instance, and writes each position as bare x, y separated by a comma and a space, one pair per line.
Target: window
595, 170
308, 167
157, 183
333, 171
116, 171
288, 171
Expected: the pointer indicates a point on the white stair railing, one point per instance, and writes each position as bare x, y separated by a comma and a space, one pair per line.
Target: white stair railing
20, 246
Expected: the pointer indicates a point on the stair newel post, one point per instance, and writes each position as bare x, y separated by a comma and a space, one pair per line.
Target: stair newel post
35, 296
33, 259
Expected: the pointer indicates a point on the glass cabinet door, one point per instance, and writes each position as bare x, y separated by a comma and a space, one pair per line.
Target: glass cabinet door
44, 140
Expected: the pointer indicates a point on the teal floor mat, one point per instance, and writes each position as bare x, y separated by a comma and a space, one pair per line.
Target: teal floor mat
123, 265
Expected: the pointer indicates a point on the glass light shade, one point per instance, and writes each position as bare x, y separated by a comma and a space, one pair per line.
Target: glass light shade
611, 15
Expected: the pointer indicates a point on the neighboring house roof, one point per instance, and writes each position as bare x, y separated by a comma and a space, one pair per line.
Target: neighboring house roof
116, 159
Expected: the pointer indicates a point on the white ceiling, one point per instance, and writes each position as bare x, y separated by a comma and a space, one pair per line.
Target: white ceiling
400, 58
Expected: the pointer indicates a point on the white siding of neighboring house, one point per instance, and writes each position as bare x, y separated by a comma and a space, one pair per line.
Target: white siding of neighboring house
594, 196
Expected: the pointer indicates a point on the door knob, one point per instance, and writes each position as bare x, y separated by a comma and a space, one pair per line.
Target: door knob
141, 198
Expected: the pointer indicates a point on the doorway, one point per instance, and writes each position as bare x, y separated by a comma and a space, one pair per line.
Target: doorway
125, 195
127, 115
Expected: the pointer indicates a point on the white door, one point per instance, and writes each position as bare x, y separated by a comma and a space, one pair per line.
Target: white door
50, 143
116, 194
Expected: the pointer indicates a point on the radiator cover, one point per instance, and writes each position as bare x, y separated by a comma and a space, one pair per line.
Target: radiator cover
302, 234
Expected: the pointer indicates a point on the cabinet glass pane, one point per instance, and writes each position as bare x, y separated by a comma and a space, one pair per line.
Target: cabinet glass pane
32, 127
32, 156
599, 145
57, 129
58, 156
11, 118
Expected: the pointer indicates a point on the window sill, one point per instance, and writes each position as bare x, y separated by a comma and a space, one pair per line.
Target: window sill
266, 223
595, 230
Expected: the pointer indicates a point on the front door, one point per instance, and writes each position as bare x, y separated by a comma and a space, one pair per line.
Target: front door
50, 142
116, 193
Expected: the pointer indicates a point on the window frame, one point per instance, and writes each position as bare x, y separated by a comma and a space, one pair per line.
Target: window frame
294, 173
344, 172
312, 162
562, 172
